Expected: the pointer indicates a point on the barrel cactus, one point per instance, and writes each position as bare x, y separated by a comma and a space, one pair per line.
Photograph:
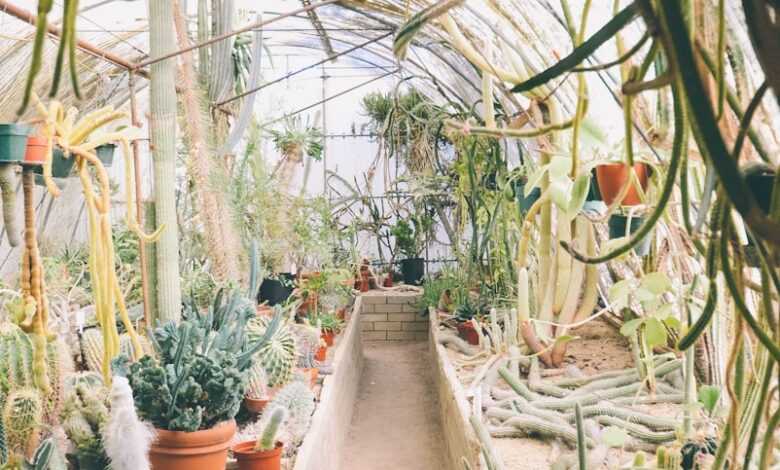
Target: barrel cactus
278, 355
257, 386
22, 416
15, 358
92, 348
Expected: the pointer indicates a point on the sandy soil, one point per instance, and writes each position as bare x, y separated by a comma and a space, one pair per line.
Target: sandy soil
396, 423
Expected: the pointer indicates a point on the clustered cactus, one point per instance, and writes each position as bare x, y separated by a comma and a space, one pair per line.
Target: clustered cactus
22, 417
278, 355
85, 411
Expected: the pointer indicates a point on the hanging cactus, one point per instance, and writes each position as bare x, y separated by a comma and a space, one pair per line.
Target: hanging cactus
307, 342
22, 416
92, 349
278, 355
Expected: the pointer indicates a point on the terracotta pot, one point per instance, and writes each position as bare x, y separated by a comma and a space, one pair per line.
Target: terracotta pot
204, 450
256, 405
265, 311
322, 354
388, 282
313, 373
328, 337
250, 459
466, 331
35, 154
611, 178
364, 283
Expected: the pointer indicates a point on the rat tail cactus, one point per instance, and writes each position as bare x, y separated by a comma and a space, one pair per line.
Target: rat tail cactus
278, 354
22, 416
266, 441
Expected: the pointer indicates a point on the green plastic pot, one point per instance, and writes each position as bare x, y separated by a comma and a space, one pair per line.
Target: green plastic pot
105, 154
617, 229
525, 202
61, 167
13, 142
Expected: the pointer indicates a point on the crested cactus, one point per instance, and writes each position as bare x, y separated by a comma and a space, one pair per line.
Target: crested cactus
84, 414
278, 355
22, 416
298, 400
307, 342
266, 441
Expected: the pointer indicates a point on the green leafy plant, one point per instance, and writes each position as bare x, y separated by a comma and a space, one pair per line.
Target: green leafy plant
330, 322
297, 138
199, 376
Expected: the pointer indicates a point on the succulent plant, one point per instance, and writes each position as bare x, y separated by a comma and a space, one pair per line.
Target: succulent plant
266, 441
85, 411
200, 376
22, 416
298, 400
307, 342
278, 354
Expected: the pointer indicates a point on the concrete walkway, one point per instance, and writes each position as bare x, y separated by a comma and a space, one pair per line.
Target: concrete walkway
396, 422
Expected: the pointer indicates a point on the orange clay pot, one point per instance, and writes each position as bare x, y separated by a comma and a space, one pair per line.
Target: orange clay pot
250, 459
255, 405
204, 450
35, 154
611, 178
322, 354
328, 336
313, 373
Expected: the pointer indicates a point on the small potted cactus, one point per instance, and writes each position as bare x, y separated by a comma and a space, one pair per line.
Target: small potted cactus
265, 453
330, 325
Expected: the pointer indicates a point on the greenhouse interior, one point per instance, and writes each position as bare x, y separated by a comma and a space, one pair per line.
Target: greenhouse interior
383, 234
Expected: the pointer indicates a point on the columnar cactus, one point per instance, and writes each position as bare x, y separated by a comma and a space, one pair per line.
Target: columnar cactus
267, 439
22, 416
667, 458
15, 358
278, 354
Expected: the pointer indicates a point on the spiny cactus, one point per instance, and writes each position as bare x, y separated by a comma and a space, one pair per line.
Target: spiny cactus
257, 385
15, 358
22, 417
667, 458
278, 355
92, 348
266, 441
126, 438
298, 400
307, 342
3, 446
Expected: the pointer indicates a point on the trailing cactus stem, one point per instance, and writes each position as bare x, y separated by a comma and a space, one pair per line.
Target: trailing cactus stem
8, 190
582, 451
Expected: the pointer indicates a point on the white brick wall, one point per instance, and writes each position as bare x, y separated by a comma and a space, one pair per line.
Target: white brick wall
392, 316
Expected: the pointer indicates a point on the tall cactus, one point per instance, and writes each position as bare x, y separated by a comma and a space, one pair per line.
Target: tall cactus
162, 108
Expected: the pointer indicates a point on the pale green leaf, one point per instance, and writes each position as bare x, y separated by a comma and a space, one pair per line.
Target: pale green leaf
535, 179
708, 397
655, 333
657, 283
618, 294
579, 193
630, 327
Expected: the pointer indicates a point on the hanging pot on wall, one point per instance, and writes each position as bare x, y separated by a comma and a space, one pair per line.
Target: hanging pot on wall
524, 203
413, 271
612, 176
13, 142
61, 167
617, 229
35, 153
105, 154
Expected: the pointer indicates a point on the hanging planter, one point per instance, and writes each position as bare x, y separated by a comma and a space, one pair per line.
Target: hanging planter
612, 176
61, 166
105, 154
204, 450
617, 229
13, 142
35, 153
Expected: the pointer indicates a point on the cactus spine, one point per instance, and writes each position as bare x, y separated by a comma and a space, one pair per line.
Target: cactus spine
22, 416
267, 439
278, 354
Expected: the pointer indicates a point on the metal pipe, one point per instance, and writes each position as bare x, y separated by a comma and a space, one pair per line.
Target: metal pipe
222, 37
29, 17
